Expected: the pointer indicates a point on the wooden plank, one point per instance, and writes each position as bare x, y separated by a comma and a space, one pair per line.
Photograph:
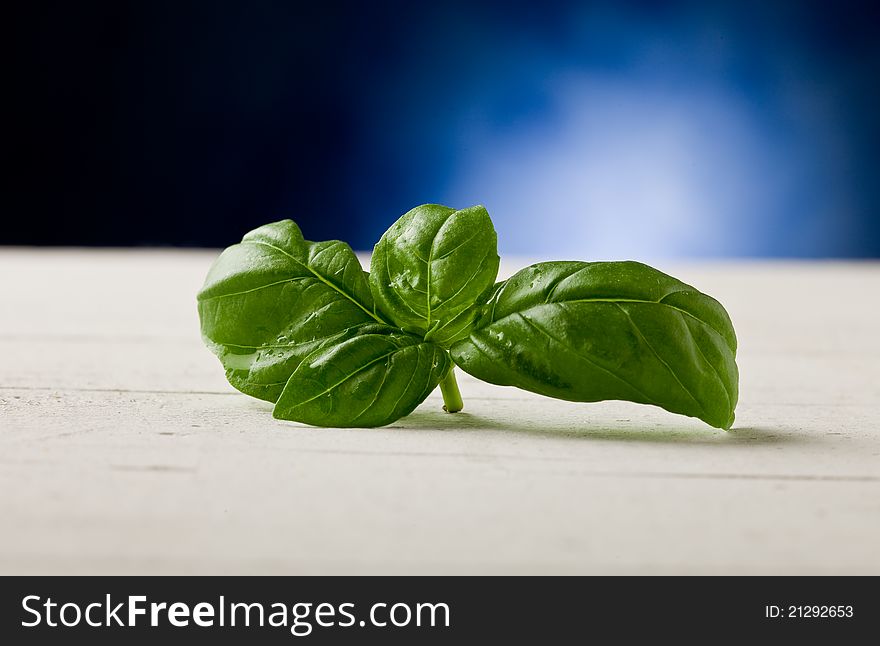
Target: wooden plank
608, 437
184, 365
122, 449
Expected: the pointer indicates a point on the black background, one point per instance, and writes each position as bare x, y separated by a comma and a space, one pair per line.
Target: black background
179, 122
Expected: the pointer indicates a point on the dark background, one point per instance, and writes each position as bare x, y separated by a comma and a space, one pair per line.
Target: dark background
589, 129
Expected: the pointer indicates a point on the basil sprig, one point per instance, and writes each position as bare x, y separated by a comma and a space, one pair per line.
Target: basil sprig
300, 324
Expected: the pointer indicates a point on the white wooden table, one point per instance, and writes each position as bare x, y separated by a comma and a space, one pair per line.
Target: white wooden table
123, 450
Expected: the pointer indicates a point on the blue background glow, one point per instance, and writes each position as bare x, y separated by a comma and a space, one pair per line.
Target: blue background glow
603, 131
589, 129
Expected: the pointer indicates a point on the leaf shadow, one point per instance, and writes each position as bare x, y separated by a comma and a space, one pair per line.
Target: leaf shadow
690, 432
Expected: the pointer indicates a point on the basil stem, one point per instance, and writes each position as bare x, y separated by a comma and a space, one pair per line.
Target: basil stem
451, 394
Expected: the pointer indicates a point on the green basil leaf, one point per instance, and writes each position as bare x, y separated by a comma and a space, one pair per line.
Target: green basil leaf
431, 267
370, 379
590, 331
274, 298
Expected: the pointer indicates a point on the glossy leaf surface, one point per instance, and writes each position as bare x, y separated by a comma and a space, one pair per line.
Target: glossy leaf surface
370, 379
431, 267
274, 298
585, 331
